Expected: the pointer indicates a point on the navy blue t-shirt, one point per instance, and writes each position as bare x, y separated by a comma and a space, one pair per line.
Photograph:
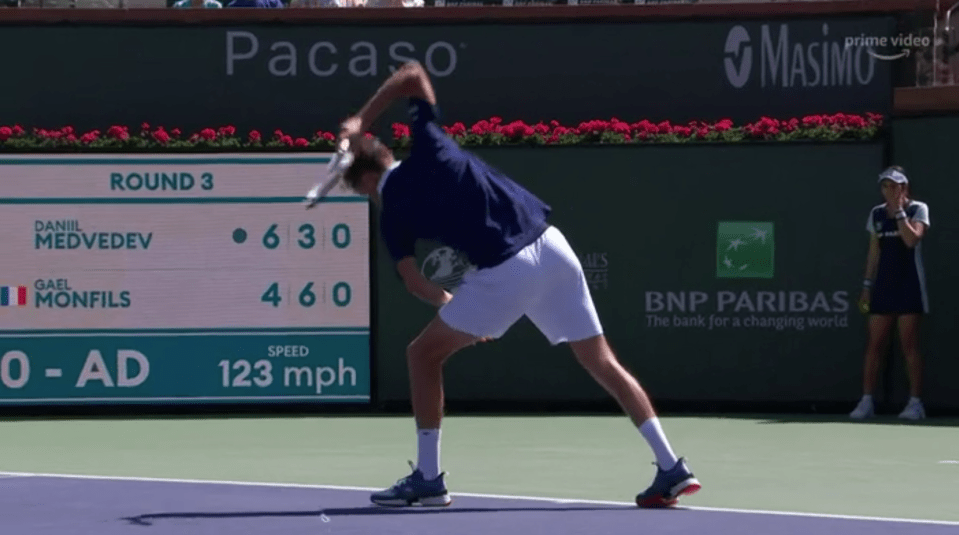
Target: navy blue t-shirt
444, 193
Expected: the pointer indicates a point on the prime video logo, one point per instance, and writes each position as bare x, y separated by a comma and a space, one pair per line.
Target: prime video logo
900, 42
784, 62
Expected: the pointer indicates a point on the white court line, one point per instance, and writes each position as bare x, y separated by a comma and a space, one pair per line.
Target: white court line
489, 496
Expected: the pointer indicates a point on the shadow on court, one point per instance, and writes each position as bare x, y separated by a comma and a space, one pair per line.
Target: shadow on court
148, 519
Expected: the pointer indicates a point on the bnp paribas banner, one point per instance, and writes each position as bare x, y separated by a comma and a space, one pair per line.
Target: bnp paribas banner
726, 273
146, 279
744, 274
747, 250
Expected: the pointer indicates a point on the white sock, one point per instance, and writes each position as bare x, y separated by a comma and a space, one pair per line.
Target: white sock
867, 398
914, 401
652, 431
429, 452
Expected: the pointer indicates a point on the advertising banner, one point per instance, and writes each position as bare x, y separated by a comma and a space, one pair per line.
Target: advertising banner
149, 279
720, 273
304, 78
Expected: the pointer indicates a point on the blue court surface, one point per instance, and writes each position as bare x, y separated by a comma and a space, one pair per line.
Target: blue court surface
50, 504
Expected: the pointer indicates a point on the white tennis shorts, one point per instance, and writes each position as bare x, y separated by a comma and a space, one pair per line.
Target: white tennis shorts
544, 281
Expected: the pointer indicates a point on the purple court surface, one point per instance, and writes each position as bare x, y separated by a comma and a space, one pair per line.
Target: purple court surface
54, 505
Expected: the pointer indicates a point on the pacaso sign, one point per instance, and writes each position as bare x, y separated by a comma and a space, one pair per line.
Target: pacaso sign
246, 53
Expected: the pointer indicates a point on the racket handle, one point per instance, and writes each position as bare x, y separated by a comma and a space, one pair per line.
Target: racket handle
338, 165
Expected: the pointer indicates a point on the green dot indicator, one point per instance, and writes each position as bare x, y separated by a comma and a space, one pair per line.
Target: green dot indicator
239, 235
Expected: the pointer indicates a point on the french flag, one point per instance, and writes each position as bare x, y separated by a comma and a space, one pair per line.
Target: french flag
13, 296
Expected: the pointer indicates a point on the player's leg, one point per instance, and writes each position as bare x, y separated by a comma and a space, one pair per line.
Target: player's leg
565, 312
909, 337
879, 327
673, 477
598, 358
425, 357
484, 307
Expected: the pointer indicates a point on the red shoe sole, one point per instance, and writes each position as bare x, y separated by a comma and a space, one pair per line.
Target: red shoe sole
658, 502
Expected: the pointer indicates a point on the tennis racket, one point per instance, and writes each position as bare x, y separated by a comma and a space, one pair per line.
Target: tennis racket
338, 165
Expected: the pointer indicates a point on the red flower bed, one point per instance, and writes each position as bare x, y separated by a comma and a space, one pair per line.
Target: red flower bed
493, 131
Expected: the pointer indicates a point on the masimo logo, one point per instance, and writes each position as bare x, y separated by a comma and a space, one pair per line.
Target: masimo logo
776, 59
738, 49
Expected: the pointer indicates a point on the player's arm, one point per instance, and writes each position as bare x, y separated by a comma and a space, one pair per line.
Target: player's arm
409, 81
872, 262
400, 239
872, 265
910, 230
872, 258
419, 285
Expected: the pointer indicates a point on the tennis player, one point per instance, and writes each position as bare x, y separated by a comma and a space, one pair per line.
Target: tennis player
524, 266
894, 289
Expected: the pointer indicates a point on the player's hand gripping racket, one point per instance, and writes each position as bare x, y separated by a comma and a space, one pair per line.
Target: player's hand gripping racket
338, 165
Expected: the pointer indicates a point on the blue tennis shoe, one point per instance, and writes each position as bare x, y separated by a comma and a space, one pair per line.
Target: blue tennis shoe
414, 489
668, 486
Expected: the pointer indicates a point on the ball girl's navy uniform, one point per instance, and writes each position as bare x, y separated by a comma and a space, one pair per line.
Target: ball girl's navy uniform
900, 285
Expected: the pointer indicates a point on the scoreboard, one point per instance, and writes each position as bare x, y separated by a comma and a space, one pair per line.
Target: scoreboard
182, 279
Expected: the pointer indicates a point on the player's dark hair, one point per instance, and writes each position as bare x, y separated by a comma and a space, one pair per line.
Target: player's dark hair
369, 154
